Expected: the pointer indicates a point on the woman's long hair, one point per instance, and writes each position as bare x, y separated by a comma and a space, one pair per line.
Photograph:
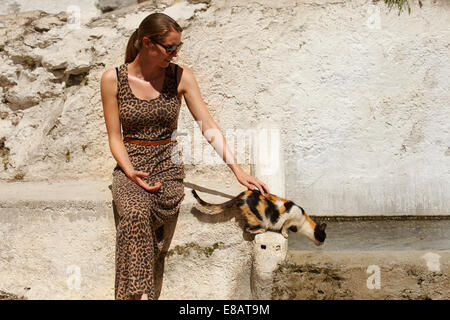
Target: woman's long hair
155, 26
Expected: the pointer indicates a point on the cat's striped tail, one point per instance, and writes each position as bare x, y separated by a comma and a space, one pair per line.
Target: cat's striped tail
215, 208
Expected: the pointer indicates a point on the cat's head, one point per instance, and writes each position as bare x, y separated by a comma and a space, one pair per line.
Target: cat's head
314, 231
319, 234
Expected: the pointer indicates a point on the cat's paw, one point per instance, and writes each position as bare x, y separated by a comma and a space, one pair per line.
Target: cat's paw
285, 234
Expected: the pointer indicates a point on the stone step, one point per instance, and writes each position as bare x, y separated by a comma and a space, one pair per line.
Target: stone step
58, 242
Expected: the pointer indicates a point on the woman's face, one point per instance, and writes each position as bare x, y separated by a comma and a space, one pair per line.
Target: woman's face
158, 53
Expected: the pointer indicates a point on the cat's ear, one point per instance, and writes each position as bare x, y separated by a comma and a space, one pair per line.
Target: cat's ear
322, 226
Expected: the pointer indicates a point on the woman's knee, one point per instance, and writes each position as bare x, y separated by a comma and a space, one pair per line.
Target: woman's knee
140, 214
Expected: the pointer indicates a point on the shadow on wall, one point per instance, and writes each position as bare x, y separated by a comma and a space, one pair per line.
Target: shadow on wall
224, 216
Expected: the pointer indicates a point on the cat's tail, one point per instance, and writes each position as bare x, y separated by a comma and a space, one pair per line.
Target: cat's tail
215, 208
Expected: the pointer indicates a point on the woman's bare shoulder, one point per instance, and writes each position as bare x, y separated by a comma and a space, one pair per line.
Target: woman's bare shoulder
109, 75
185, 77
108, 81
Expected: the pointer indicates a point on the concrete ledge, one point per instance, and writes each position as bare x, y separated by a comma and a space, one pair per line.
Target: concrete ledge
58, 242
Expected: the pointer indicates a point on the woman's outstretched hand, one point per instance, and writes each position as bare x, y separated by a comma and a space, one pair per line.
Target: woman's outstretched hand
251, 182
137, 176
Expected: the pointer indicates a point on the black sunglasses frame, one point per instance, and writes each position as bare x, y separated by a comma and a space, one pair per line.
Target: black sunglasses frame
169, 49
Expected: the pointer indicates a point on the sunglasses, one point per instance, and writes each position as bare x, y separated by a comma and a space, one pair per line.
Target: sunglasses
169, 49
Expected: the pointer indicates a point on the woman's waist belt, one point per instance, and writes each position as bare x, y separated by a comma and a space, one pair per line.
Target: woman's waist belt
146, 142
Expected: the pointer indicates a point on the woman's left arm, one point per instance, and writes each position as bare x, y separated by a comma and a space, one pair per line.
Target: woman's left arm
211, 131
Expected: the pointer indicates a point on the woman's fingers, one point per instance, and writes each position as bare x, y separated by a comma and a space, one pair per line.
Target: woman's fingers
145, 185
265, 187
141, 174
256, 186
252, 183
261, 187
153, 188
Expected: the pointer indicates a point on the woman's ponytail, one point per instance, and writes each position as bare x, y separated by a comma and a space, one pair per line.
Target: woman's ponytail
133, 47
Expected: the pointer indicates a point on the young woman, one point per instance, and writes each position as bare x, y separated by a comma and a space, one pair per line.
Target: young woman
144, 96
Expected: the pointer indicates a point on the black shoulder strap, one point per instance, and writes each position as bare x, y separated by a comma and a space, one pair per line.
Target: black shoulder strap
176, 74
118, 80
117, 72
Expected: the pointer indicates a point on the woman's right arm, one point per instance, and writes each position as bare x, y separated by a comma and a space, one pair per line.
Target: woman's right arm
108, 90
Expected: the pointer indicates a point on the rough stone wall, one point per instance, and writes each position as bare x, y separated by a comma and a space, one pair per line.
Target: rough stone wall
360, 94
51, 124
87, 8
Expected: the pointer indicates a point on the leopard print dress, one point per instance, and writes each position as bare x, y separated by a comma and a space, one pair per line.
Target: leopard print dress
142, 213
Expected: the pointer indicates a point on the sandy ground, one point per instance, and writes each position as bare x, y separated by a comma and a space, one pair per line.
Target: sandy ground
9, 296
379, 275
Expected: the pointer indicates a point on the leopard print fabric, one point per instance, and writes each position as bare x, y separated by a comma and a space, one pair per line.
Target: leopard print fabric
141, 213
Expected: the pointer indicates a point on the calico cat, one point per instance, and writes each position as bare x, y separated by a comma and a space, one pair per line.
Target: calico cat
270, 212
